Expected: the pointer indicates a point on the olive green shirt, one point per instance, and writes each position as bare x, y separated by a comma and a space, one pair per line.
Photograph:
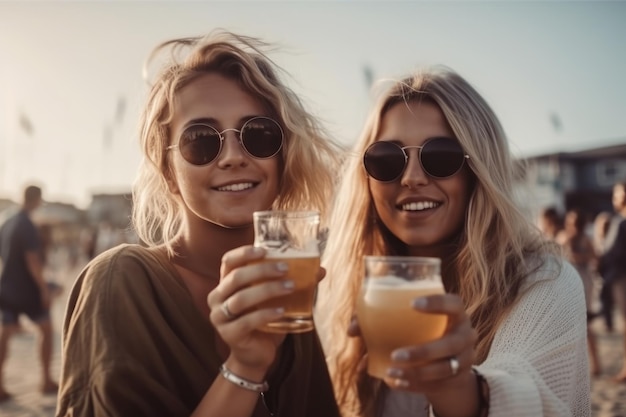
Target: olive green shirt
134, 344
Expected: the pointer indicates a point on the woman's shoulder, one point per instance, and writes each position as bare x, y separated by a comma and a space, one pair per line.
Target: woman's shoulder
116, 265
124, 281
552, 298
123, 251
552, 273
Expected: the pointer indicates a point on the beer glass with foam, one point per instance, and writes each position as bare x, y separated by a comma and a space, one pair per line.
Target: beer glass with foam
386, 317
291, 237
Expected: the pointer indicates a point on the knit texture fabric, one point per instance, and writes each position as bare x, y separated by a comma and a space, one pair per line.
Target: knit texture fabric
538, 362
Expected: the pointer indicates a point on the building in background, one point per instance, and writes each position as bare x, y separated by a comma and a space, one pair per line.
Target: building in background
114, 209
566, 180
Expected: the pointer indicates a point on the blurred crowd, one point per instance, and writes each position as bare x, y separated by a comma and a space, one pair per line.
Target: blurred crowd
595, 246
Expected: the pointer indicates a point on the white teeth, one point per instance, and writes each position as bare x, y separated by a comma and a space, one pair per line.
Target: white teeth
236, 187
419, 206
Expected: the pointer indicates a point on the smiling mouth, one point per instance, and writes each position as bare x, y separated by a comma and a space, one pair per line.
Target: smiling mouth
237, 187
419, 206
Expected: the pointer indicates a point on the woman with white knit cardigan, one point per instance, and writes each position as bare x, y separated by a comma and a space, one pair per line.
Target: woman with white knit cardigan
432, 176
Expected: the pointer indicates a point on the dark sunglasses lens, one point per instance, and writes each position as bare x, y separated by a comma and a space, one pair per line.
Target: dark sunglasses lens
262, 137
384, 161
200, 144
442, 157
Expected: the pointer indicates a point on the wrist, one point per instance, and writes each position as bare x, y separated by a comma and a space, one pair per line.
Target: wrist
483, 394
255, 374
468, 389
241, 382
464, 381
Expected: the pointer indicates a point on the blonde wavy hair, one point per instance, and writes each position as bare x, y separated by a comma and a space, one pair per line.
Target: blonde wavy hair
493, 248
308, 157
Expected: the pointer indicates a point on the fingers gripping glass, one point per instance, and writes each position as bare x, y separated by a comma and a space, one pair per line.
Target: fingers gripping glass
200, 144
439, 157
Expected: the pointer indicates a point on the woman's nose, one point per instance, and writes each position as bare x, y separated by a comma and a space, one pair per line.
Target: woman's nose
413, 175
233, 153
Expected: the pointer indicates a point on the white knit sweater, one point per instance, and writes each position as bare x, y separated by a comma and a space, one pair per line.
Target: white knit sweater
537, 365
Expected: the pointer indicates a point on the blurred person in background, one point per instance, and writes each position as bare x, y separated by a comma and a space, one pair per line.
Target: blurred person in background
579, 250
23, 288
48, 247
550, 222
612, 263
432, 175
601, 225
169, 328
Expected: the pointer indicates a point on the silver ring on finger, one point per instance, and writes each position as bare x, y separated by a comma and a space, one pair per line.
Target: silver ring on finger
226, 310
454, 365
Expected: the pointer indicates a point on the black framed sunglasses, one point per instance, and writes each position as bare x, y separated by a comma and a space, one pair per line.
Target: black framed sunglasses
200, 144
440, 157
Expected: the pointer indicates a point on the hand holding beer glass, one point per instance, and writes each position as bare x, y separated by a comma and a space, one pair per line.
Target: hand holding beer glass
384, 308
291, 237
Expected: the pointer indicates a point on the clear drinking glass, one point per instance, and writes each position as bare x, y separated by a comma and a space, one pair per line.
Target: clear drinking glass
291, 237
386, 317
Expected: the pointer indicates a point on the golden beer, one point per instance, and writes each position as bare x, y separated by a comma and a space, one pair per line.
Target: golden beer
291, 237
298, 305
388, 321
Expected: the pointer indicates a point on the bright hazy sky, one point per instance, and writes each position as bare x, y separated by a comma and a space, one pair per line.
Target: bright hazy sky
64, 66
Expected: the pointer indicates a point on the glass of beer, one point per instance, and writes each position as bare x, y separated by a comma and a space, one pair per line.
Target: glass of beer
291, 237
384, 311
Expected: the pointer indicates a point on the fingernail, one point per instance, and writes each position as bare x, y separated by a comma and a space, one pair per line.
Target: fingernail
400, 356
257, 250
280, 311
420, 302
289, 285
394, 372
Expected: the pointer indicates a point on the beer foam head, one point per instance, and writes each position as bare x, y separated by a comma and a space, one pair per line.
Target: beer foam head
387, 291
393, 282
387, 281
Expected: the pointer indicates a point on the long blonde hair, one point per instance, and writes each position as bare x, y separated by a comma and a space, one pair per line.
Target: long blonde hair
493, 247
309, 157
